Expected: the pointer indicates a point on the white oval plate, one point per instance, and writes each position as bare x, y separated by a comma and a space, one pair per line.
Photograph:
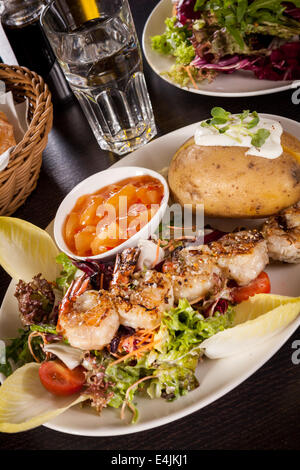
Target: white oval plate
216, 377
237, 84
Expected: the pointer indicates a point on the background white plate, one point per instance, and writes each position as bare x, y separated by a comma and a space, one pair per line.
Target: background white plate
217, 377
239, 83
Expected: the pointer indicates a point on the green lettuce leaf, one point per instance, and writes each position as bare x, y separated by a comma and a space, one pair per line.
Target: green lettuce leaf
182, 331
171, 365
174, 41
68, 272
17, 352
184, 53
123, 375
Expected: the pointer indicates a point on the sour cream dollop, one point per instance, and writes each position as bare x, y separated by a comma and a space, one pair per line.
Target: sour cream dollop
238, 135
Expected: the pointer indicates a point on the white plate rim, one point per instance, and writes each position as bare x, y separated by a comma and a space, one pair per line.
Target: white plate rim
145, 47
131, 429
279, 340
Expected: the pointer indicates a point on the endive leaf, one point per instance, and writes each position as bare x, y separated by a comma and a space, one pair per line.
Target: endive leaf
25, 403
26, 250
70, 356
255, 320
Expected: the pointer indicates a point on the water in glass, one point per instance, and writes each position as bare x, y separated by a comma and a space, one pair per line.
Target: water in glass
102, 62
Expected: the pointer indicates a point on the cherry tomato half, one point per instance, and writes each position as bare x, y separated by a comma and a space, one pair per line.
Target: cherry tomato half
60, 380
260, 285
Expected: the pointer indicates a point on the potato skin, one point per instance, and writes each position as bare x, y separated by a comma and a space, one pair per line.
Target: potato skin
232, 184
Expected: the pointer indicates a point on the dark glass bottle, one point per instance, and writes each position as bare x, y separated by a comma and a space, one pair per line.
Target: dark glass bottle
21, 24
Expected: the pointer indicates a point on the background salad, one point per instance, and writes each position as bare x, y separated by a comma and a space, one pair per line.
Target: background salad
207, 37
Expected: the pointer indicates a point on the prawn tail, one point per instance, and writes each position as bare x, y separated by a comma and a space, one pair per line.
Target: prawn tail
125, 266
76, 288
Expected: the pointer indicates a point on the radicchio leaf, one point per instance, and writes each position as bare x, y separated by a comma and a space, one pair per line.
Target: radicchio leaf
221, 306
292, 11
185, 11
122, 331
282, 64
100, 273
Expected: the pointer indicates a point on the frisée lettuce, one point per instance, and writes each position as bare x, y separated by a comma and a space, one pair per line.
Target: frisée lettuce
174, 41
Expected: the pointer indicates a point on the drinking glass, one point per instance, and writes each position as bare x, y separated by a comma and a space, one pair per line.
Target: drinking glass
96, 45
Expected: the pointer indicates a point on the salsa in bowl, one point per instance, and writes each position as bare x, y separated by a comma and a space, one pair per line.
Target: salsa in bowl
110, 211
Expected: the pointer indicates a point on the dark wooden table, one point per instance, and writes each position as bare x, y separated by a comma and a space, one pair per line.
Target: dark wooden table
261, 413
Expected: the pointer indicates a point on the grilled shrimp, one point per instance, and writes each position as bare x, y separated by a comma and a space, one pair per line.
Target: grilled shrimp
142, 297
87, 318
193, 273
282, 233
198, 271
241, 255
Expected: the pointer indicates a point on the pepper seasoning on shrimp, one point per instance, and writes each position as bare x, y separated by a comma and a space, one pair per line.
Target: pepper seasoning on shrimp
199, 272
87, 318
193, 273
241, 255
282, 234
142, 297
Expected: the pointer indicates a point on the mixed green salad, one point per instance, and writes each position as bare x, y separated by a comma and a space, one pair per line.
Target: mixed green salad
164, 366
209, 37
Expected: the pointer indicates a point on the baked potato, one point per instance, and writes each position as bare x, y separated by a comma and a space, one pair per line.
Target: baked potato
232, 184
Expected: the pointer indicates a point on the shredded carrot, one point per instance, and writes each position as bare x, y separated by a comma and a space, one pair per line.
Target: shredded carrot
135, 352
142, 333
188, 71
131, 344
143, 340
32, 335
174, 10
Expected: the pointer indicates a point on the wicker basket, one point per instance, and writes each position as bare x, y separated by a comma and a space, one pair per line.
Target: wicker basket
20, 177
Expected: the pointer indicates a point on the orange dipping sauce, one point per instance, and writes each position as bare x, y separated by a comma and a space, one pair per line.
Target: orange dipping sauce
103, 220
